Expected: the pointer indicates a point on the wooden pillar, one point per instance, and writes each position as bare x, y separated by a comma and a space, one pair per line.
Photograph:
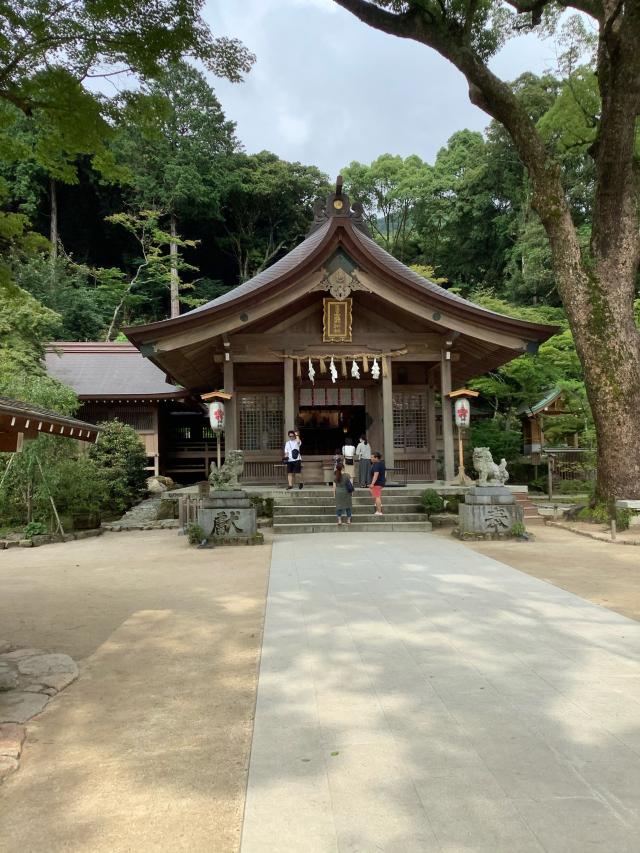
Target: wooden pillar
230, 410
447, 416
387, 414
289, 396
431, 434
156, 440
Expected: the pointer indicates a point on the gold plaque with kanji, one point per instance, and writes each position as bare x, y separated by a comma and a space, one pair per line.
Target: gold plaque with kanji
337, 320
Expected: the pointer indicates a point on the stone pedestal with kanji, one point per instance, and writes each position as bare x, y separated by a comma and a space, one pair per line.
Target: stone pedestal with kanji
228, 516
488, 512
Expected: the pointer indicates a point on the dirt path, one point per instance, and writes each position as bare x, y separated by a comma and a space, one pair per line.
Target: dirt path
149, 749
602, 572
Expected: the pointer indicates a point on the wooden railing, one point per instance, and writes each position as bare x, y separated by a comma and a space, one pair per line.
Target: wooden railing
419, 470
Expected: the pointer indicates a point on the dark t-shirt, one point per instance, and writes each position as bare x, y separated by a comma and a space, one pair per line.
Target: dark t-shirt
381, 468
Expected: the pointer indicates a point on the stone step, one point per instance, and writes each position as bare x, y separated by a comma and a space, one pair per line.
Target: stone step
328, 500
361, 518
379, 524
327, 490
358, 506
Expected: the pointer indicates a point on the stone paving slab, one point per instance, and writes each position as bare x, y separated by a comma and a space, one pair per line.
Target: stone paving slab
415, 695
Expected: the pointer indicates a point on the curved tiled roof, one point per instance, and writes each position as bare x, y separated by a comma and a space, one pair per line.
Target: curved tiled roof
311, 253
107, 370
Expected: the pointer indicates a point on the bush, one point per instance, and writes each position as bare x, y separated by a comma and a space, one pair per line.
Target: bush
195, 533
599, 514
431, 502
35, 528
452, 504
574, 487
120, 459
264, 506
623, 518
518, 529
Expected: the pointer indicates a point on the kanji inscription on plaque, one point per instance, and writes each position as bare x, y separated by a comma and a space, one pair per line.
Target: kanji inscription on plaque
337, 320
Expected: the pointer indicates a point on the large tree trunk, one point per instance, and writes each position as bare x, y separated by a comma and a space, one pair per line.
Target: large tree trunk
600, 311
53, 220
175, 278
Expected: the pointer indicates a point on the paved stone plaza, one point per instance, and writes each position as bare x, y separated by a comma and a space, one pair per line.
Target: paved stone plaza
417, 696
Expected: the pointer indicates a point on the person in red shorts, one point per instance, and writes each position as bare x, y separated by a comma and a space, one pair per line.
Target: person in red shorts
378, 480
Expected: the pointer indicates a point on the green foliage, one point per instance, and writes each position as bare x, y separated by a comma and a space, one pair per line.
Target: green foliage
600, 514
34, 528
266, 208
177, 156
25, 325
503, 441
120, 458
431, 502
390, 190
152, 268
50, 52
195, 533
518, 529
623, 518
452, 503
264, 506
73, 291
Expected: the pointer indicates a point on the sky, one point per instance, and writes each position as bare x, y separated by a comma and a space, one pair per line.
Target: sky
326, 89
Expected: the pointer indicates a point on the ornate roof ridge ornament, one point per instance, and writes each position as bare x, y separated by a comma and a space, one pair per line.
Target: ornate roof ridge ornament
337, 205
340, 283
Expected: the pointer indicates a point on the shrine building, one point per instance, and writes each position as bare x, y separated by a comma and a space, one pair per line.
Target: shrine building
336, 339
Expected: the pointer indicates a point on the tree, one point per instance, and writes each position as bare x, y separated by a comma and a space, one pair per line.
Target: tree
390, 189
177, 160
51, 54
120, 457
267, 208
154, 268
597, 284
51, 51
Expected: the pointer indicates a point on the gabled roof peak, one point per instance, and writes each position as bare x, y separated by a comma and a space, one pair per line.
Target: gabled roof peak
337, 206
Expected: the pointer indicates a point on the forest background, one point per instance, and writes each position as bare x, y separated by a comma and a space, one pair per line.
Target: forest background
128, 209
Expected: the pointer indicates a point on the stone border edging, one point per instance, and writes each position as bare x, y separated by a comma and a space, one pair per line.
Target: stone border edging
48, 539
599, 537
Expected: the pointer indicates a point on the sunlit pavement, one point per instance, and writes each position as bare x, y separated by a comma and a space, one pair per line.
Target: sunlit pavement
417, 696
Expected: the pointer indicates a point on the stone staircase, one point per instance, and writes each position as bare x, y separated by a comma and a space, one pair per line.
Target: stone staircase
312, 510
530, 510
142, 516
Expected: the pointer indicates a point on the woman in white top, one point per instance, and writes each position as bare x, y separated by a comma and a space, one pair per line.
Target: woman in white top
293, 458
348, 456
363, 455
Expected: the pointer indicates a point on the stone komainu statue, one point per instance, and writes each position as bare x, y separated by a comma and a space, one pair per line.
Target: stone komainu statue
226, 478
489, 474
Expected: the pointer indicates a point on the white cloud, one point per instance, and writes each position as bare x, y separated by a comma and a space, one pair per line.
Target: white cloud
326, 89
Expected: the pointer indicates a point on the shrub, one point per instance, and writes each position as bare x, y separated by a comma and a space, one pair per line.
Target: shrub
195, 533
518, 529
432, 502
35, 528
120, 459
452, 503
574, 487
264, 506
623, 518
